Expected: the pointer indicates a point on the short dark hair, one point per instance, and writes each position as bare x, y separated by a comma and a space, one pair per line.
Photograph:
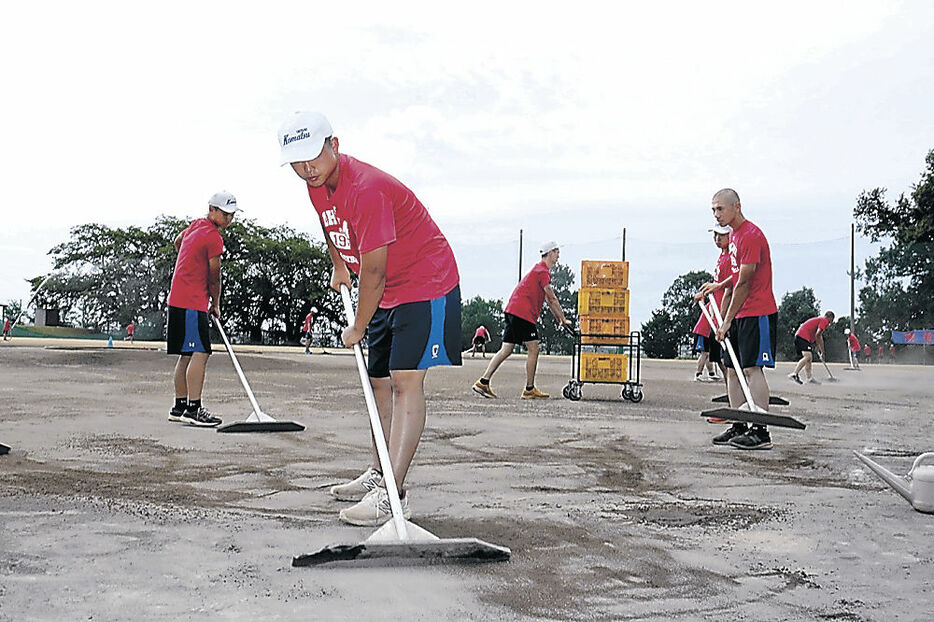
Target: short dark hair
727, 194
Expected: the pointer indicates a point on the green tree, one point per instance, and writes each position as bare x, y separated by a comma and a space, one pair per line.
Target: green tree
670, 327
554, 339
796, 307
900, 279
479, 312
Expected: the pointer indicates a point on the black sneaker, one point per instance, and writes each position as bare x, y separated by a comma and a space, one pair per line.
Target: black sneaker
200, 418
795, 378
737, 429
176, 414
756, 438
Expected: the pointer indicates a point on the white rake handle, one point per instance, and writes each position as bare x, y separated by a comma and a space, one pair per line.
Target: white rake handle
729, 348
236, 364
382, 450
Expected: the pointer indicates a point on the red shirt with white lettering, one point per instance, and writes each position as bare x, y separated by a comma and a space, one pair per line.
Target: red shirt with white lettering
201, 242
749, 246
808, 330
527, 299
370, 209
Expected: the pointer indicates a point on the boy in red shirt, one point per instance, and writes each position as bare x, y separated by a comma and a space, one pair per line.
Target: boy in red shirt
7, 325
409, 288
521, 317
750, 317
721, 278
196, 291
480, 339
811, 332
306, 329
854, 348
130, 329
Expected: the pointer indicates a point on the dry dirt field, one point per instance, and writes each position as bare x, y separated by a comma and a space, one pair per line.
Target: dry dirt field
613, 510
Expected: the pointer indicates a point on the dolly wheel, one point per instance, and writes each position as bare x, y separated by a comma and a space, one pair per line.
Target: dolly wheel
637, 396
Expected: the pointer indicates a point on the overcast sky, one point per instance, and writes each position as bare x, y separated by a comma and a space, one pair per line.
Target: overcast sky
569, 124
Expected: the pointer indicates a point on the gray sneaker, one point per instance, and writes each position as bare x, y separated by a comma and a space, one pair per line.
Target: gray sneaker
373, 509
356, 489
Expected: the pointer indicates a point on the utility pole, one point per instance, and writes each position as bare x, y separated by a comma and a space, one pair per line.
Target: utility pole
624, 243
852, 278
520, 256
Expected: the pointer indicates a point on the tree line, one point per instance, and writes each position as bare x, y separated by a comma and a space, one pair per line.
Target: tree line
104, 278
896, 295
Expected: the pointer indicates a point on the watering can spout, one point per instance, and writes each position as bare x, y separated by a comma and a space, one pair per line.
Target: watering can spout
900, 484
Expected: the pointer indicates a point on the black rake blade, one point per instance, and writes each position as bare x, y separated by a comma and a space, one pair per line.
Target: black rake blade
441, 551
261, 426
774, 400
735, 414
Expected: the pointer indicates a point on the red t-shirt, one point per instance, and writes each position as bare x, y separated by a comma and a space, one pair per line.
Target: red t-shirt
527, 299
6, 325
720, 272
201, 241
370, 209
129, 329
308, 320
808, 330
482, 332
749, 246
866, 350
854, 342
702, 327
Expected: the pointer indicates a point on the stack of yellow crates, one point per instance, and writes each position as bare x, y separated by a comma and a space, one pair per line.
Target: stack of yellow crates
603, 309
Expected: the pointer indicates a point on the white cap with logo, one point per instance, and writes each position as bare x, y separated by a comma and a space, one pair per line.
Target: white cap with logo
224, 201
547, 247
721, 229
301, 137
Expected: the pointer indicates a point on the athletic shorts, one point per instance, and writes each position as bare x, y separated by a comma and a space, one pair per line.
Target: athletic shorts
518, 330
479, 341
701, 343
802, 345
188, 332
753, 338
415, 335
715, 349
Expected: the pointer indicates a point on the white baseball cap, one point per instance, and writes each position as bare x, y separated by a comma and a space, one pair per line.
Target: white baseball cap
224, 201
302, 136
547, 247
721, 229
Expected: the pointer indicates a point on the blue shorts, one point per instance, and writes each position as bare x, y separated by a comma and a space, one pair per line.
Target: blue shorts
188, 331
415, 335
701, 343
753, 339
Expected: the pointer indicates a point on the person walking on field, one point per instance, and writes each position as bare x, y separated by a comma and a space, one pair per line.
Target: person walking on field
409, 289
130, 329
809, 334
853, 348
750, 317
480, 339
7, 326
306, 329
195, 292
521, 315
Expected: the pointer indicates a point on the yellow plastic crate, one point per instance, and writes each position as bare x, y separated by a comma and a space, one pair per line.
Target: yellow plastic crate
600, 367
600, 325
606, 302
605, 274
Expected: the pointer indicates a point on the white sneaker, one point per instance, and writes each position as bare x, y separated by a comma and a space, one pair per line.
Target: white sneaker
373, 509
358, 488
700, 378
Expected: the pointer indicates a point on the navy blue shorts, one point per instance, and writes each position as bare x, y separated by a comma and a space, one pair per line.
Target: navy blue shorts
188, 331
415, 335
753, 338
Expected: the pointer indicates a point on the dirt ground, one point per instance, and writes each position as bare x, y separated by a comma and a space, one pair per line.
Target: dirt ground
613, 510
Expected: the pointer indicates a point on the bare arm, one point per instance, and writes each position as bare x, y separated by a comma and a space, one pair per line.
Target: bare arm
552, 300
340, 274
372, 285
178, 240
738, 297
214, 284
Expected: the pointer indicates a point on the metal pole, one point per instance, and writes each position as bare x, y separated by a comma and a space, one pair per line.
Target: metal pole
624, 243
520, 255
852, 278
